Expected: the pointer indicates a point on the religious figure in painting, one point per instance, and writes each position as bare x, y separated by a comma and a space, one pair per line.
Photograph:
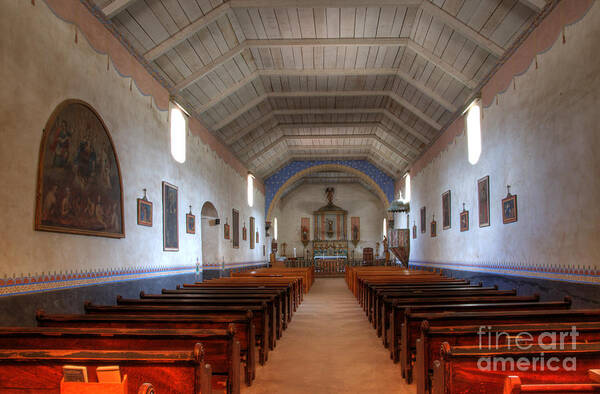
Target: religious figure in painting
355, 234
79, 182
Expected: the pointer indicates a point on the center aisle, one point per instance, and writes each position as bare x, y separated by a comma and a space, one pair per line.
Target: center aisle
329, 347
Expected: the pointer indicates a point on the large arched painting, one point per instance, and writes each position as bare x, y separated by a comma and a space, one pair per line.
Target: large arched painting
79, 179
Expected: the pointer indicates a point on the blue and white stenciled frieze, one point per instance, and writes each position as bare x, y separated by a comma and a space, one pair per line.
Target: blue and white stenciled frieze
277, 180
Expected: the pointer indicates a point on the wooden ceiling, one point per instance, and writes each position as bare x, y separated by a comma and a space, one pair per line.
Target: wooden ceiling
278, 80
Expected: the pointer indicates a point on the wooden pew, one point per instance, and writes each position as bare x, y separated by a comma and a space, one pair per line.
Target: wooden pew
244, 330
38, 371
381, 304
295, 282
408, 348
431, 339
249, 283
513, 385
397, 308
279, 301
274, 312
259, 314
221, 350
413, 320
465, 369
306, 274
285, 291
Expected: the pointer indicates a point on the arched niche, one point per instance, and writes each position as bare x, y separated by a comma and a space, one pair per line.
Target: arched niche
210, 234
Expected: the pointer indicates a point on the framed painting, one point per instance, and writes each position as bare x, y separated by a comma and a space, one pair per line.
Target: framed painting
79, 186
509, 209
414, 231
235, 222
170, 217
433, 229
144, 212
190, 223
257, 238
446, 210
226, 229
252, 230
464, 221
244, 233
483, 197
423, 220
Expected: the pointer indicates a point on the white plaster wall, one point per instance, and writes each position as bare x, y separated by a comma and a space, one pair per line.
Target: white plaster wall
307, 198
41, 66
542, 138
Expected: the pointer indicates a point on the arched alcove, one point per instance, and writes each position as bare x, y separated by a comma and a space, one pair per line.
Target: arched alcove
209, 234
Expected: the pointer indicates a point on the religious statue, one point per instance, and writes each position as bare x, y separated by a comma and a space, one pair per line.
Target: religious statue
330, 228
385, 244
329, 193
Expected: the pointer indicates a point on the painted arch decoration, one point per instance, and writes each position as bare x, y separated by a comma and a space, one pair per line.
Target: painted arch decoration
276, 183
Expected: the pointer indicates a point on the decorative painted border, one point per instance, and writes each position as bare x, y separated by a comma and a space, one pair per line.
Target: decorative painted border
277, 180
579, 274
235, 265
64, 280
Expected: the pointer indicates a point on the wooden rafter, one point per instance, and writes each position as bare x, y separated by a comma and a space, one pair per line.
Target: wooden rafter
280, 128
326, 42
535, 5
420, 86
329, 93
462, 28
318, 111
320, 4
187, 32
288, 137
116, 6
291, 154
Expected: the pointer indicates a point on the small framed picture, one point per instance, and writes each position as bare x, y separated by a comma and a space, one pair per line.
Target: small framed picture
244, 233
483, 197
464, 221
423, 220
433, 229
446, 209
190, 223
414, 231
226, 231
257, 238
509, 209
144, 212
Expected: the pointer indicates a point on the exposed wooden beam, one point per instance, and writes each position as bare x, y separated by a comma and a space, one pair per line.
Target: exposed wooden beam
187, 32
324, 42
319, 111
406, 127
321, 4
330, 72
196, 75
462, 28
329, 93
373, 157
442, 64
116, 6
252, 126
281, 127
535, 5
329, 42
288, 137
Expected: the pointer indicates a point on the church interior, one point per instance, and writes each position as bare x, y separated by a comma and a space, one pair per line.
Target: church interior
300, 196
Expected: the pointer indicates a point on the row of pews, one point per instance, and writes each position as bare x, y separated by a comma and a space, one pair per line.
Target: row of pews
452, 336
196, 338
